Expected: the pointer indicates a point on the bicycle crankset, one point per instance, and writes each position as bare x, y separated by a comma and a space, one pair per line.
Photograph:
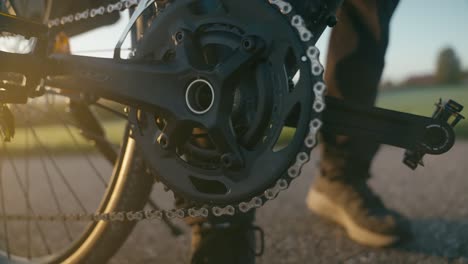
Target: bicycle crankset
223, 145
215, 86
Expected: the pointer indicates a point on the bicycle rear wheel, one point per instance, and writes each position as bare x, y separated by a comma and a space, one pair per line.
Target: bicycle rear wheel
50, 168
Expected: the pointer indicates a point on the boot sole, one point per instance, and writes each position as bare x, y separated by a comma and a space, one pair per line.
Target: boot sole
322, 206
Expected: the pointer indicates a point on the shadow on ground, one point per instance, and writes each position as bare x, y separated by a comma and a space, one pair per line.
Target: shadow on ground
435, 199
439, 238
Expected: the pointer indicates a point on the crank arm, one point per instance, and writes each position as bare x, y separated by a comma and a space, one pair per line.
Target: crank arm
120, 80
155, 86
419, 135
136, 84
383, 126
127, 82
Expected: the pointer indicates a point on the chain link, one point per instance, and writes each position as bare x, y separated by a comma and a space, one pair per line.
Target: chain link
93, 12
312, 56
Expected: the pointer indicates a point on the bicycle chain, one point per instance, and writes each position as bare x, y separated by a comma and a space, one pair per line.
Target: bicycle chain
312, 55
93, 12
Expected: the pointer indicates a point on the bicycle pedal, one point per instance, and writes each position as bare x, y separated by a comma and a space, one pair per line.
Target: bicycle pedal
446, 112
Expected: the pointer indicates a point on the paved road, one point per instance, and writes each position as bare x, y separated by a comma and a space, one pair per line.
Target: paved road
434, 197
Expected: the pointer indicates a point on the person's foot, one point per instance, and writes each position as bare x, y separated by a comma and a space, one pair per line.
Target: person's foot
225, 243
355, 207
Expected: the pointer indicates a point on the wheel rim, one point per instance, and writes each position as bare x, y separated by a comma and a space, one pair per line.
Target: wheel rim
114, 178
59, 191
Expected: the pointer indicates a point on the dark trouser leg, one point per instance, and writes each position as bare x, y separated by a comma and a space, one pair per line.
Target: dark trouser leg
354, 67
355, 63
228, 239
238, 218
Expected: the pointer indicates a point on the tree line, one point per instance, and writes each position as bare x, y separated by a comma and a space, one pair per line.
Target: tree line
449, 69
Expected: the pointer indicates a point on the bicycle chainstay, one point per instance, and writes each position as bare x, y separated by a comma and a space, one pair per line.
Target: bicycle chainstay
319, 88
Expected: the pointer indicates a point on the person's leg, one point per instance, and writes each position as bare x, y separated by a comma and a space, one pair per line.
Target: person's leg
354, 67
227, 240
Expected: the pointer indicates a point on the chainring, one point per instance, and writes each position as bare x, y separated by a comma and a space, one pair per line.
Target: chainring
271, 109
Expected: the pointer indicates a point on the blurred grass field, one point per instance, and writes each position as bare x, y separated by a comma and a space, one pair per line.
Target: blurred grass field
415, 100
421, 100
59, 140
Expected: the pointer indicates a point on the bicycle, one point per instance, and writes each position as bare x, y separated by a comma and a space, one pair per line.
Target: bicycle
240, 85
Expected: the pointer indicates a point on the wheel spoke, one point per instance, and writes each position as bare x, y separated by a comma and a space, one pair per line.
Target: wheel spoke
54, 164
99, 50
28, 201
5, 221
49, 180
77, 145
54, 195
117, 113
27, 198
68, 122
102, 143
87, 158
57, 169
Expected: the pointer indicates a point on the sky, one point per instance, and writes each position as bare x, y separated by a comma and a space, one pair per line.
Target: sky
419, 30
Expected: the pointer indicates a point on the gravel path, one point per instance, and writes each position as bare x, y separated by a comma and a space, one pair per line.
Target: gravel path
434, 197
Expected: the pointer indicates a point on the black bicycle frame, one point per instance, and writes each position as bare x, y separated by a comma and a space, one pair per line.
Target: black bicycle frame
146, 85
124, 81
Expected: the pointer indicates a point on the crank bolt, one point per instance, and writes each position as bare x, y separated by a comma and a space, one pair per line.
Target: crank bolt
179, 36
248, 44
163, 141
332, 21
227, 160
230, 161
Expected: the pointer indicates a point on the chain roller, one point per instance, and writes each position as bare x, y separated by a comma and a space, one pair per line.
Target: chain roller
93, 12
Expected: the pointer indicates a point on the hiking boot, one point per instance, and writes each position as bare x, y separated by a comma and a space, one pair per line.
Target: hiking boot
226, 243
354, 206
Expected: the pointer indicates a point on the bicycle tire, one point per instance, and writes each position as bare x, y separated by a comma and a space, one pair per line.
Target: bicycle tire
128, 189
134, 184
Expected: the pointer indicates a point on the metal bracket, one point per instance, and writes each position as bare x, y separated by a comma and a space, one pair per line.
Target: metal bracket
142, 6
